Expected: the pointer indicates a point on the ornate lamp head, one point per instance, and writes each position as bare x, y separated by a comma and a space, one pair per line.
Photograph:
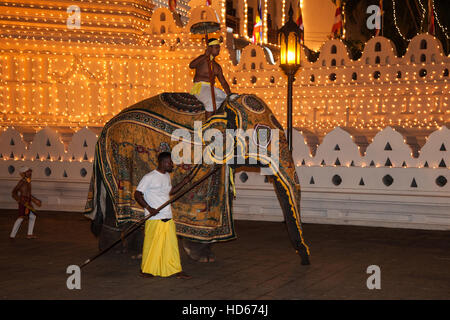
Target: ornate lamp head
289, 37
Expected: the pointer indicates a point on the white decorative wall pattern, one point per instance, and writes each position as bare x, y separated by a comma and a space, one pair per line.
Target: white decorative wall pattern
385, 187
60, 178
339, 185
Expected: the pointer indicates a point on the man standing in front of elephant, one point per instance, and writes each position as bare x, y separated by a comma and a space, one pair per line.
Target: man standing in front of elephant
160, 253
202, 82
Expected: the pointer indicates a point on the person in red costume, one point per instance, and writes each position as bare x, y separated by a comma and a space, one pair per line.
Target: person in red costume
22, 194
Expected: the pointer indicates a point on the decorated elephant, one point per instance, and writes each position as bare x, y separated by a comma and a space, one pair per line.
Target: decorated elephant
130, 142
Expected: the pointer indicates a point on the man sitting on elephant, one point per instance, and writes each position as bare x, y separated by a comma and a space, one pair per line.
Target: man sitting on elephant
202, 86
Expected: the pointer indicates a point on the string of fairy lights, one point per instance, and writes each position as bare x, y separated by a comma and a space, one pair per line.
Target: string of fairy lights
77, 84
424, 11
265, 12
395, 20
443, 28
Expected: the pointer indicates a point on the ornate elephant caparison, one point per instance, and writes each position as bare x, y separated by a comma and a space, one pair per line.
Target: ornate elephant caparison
127, 149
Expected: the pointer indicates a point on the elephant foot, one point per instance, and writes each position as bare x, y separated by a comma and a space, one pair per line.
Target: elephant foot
305, 261
198, 252
210, 258
194, 256
304, 257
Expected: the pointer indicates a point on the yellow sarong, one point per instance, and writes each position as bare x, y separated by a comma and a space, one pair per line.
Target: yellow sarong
198, 87
160, 253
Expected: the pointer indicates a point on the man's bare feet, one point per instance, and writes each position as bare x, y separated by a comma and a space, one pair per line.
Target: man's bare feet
31, 236
145, 275
182, 275
138, 256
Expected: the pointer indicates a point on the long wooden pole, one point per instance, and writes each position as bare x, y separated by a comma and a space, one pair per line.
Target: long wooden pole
193, 172
211, 76
142, 221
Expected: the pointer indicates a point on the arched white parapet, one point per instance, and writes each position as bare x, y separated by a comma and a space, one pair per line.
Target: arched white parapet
436, 151
379, 51
12, 145
254, 59
305, 63
424, 48
338, 149
82, 146
388, 149
162, 23
333, 53
47, 146
300, 150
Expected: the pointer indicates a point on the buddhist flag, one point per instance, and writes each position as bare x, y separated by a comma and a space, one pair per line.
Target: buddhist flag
257, 28
300, 21
430, 17
172, 5
336, 30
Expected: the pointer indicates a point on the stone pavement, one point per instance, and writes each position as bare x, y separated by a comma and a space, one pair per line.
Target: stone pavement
260, 264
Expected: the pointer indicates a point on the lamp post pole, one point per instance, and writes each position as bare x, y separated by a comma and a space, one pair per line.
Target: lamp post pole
291, 79
290, 62
290, 71
289, 110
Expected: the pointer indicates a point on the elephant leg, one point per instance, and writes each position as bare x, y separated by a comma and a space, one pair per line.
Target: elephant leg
291, 225
133, 243
107, 236
197, 251
110, 233
296, 241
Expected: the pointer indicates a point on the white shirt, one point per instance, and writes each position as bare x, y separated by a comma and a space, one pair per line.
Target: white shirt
156, 187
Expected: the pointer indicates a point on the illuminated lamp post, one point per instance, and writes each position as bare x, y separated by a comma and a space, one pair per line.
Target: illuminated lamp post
289, 39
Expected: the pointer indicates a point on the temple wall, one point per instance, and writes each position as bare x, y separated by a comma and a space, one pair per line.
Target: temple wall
385, 186
81, 85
